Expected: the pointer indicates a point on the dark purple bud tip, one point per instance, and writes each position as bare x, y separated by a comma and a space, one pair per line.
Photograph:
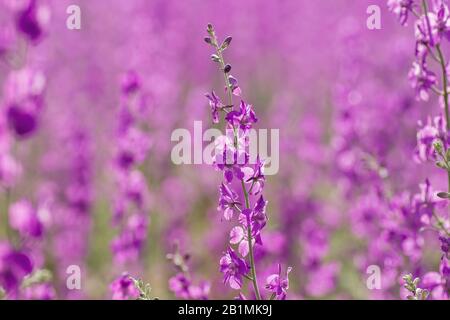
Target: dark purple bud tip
226, 43
208, 40
227, 68
209, 27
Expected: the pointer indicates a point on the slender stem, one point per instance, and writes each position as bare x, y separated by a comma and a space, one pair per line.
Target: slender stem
442, 63
6, 216
247, 202
445, 95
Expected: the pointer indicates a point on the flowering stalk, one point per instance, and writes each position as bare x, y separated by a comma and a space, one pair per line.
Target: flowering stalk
431, 28
226, 68
444, 92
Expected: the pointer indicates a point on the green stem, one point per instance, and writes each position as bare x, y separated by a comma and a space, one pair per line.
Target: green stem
445, 96
445, 93
247, 202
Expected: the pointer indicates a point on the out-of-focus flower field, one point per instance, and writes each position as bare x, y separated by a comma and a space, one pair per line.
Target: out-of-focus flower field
92, 205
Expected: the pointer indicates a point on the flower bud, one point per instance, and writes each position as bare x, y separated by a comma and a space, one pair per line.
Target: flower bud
215, 58
226, 43
208, 40
227, 68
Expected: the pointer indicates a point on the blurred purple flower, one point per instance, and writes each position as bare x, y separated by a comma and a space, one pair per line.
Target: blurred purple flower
41, 291
183, 288
24, 218
14, 266
31, 19
278, 284
422, 79
438, 283
428, 133
23, 98
123, 288
401, 8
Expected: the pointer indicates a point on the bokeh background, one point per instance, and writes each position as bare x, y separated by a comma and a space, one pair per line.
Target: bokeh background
337, 91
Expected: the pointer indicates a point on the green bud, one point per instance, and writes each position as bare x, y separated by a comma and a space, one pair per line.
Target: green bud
226, 43
443, 195
440, 164
437, 144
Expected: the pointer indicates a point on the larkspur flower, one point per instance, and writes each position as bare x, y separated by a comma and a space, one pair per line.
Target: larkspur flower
32, 19
233, 268
215, 104
235, 89
24, 91
278, 284
228, 201
41, 291
24, 218
434, 129
244, 118
231, 155
123, 288
401, 8
239, 236
14, 266
438, 283
183, 288
255, 177
422, 79
256, 218
440, 23
445, 245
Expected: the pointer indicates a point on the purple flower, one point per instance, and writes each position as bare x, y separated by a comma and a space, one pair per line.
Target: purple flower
244, 118
41, 291
423, 32
240, 236
256, 218
421, 80
14, 266
445, 245
323, 279
228, 201
183, 288
128, 245
123, 288
234, 85
233, 268
31, 20
278, 284
229, 157
255, 177
215, 104
401, 8
133, 147
440, 23
24, 218
130, 82
24, 91
438, 283
10, 170
428, 133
